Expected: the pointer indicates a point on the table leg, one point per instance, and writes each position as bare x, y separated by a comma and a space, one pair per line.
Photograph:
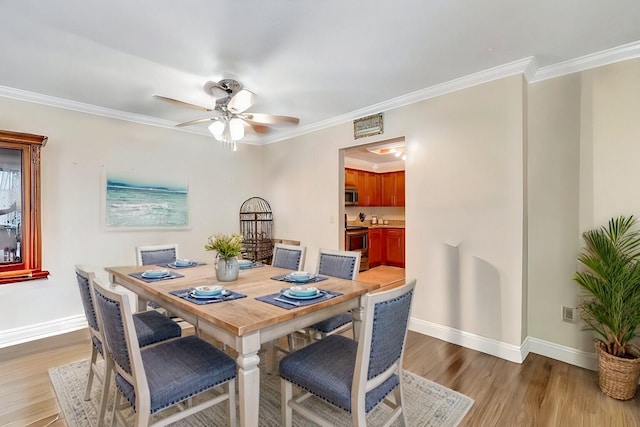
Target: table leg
356, 315
248, 379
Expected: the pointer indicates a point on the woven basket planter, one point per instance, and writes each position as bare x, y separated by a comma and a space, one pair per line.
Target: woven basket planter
617, 376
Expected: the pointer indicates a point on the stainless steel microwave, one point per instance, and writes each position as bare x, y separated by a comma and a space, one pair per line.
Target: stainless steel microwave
351, 196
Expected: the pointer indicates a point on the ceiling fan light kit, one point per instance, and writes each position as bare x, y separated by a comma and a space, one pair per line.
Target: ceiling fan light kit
229, 117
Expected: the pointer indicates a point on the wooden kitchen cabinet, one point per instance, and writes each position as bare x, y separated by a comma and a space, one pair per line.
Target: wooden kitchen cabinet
372, 189
392, 184
393, 247
375, 247
368, 185
376, 189
350, 178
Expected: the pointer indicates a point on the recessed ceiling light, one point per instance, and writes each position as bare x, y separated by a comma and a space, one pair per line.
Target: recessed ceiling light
395, 147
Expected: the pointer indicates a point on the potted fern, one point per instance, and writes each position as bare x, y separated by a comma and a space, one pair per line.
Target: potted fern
612, 307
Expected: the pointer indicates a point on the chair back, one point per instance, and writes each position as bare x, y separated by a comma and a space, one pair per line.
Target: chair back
341, 264
116, 322
288, 256
382, 339
157, 254
85, 280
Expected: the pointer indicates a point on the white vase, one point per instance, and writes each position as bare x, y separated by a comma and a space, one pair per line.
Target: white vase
227, 269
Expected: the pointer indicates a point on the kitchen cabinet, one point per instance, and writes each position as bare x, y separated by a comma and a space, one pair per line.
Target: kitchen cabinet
368, 185
376, 189
371, 189
386, 247
392, 184
350, 178
375, 247
393, 248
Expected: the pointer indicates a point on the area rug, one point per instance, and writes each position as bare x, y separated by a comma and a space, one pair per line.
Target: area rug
426, 403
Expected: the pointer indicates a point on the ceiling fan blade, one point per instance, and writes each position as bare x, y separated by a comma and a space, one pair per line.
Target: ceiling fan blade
271, 119
257, 127
195, 122
241, 101
181, 103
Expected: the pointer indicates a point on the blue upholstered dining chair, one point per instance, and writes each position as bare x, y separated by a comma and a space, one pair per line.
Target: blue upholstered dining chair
157, 254
288, 256
342, 264
353, 376
157, 377
150, 326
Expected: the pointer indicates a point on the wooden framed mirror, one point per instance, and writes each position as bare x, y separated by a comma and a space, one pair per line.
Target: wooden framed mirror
20, 210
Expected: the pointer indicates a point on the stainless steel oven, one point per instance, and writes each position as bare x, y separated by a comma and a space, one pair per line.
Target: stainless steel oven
357, 239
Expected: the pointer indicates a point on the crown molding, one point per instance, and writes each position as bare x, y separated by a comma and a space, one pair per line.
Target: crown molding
594, 60
52, 101
516, 67
526, 66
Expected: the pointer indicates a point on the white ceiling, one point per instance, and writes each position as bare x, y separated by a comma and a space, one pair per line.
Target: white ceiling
319, 60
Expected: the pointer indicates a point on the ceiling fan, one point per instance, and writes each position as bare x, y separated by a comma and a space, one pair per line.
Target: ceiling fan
229, 116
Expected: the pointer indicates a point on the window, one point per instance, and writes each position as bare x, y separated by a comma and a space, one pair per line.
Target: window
20, 234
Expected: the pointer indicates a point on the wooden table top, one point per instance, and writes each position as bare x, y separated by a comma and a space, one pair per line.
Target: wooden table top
240, 316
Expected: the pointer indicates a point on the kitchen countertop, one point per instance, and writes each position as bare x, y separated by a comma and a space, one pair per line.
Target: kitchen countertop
367, 224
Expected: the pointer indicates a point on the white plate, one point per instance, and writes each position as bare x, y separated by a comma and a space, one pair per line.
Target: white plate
245, 262
192, 294
155, 274
182, 263
299, 279
208, 291
303, 291
288, 294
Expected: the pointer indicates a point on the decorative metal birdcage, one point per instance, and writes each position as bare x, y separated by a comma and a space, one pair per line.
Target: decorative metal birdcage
256, 227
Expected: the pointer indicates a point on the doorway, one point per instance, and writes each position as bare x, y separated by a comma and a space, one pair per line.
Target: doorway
376, 173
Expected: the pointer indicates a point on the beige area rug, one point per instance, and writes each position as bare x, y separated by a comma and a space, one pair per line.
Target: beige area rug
426, 403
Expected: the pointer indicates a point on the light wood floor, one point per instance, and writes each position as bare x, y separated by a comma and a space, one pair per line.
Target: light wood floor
539, 392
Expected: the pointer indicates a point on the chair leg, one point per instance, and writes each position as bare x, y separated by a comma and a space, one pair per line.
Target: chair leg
114, 412
231, 409
104, 395
397, 393
94, 357
271, 357
286, 393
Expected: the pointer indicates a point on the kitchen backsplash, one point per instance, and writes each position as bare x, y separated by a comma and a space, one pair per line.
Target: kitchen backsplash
395, 215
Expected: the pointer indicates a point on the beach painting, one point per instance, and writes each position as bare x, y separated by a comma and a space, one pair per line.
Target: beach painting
132, 202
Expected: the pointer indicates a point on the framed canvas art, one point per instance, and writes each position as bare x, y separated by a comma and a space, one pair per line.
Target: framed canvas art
132, 201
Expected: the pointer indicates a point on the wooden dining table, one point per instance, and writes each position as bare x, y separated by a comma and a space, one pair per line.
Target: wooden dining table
243, 324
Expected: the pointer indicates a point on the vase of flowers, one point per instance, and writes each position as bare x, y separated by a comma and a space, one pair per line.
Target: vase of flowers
228, 248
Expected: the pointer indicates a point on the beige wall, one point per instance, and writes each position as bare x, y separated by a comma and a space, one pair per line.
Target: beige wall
463, 188
79, 148
553, 191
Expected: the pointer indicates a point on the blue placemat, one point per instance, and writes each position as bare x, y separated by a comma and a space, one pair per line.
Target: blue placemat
172, 275
283, 278
184, 294
178, 267
252, 265
293, 302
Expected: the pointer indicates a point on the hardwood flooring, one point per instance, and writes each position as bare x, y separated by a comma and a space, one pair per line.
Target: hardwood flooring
539, 392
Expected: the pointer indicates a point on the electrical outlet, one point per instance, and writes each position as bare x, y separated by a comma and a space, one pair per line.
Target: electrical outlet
569, 314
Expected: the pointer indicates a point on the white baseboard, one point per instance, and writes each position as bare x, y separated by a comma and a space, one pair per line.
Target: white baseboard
563, 353
506, 351
475, 342
42, 330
